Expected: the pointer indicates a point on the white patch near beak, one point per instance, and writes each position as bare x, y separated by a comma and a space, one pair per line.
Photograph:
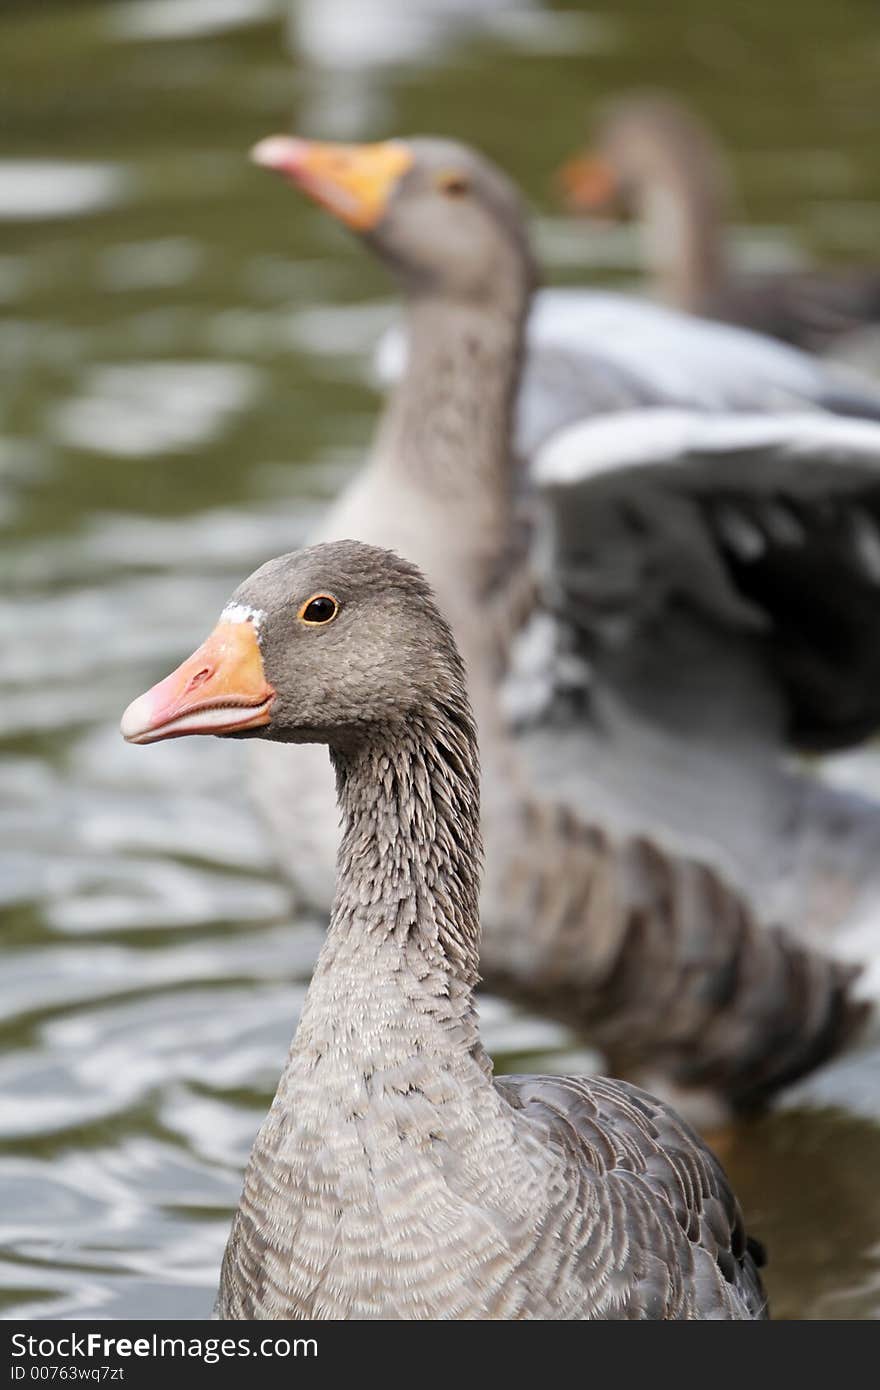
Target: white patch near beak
242, 613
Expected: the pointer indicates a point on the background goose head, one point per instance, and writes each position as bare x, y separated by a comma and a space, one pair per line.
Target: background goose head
326, 645
445, 219
637, 140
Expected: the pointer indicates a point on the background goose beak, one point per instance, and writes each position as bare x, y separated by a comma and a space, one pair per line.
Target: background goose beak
588, 184
353, 182
220, 689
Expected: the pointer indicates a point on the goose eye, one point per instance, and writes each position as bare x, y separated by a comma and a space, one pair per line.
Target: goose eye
454, 185
319, 609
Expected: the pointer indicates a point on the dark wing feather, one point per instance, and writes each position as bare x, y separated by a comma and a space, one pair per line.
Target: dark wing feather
767, 526
815, 574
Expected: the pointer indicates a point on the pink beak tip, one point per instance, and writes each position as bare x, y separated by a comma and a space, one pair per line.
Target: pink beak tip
278, 152
136, 720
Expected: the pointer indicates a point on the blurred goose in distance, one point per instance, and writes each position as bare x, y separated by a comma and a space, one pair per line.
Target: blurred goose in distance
393, 1176
653, 158
636, 676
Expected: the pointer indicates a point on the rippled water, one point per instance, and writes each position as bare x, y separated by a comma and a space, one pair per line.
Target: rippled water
184, 352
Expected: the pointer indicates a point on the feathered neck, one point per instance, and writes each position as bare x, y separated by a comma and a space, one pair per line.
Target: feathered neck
396, 975
681, 199
447, 426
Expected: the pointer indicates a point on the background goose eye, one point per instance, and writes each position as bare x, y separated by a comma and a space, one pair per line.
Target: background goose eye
320, 609
455, 185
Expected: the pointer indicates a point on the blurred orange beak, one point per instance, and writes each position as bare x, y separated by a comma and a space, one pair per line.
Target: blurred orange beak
220, 689
588, 184
353, 182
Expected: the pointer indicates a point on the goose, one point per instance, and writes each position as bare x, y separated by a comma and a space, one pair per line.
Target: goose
654, 158
394, 1177
632, 700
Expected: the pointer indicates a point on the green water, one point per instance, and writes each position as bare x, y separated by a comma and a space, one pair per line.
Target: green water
185, 378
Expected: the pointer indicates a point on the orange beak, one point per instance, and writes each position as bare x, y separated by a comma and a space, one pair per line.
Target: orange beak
220, 689
588, 184
353, 182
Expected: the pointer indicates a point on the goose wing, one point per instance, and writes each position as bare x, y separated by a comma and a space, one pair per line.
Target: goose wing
647, 1216
650, 689
592, 353
762, 524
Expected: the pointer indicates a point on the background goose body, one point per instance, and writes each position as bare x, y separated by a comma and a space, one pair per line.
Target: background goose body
393, 1177
614, 732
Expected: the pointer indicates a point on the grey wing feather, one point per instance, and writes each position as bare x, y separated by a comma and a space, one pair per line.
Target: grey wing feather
591, 353
673, 1243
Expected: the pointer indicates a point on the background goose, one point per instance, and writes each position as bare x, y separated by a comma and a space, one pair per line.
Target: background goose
633, 671
393, 1177
654, 158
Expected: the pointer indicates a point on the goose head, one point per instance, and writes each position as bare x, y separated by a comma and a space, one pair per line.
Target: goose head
325, 645
642, 143
444, 218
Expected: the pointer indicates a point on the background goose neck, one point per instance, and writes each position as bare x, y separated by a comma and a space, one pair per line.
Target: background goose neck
682, 227
448, 423
681, 190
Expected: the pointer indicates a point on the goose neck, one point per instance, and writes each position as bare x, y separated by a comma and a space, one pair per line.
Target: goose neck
448, 423
396, 975
680, 210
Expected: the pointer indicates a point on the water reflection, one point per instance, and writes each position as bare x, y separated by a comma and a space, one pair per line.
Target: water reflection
36, 189
178, 19
143, 408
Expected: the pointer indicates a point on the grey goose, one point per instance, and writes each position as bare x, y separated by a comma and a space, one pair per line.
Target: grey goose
394, 1177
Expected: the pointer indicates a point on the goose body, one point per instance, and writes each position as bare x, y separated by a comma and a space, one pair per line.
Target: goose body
394, 1177
638, 819
654, 158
